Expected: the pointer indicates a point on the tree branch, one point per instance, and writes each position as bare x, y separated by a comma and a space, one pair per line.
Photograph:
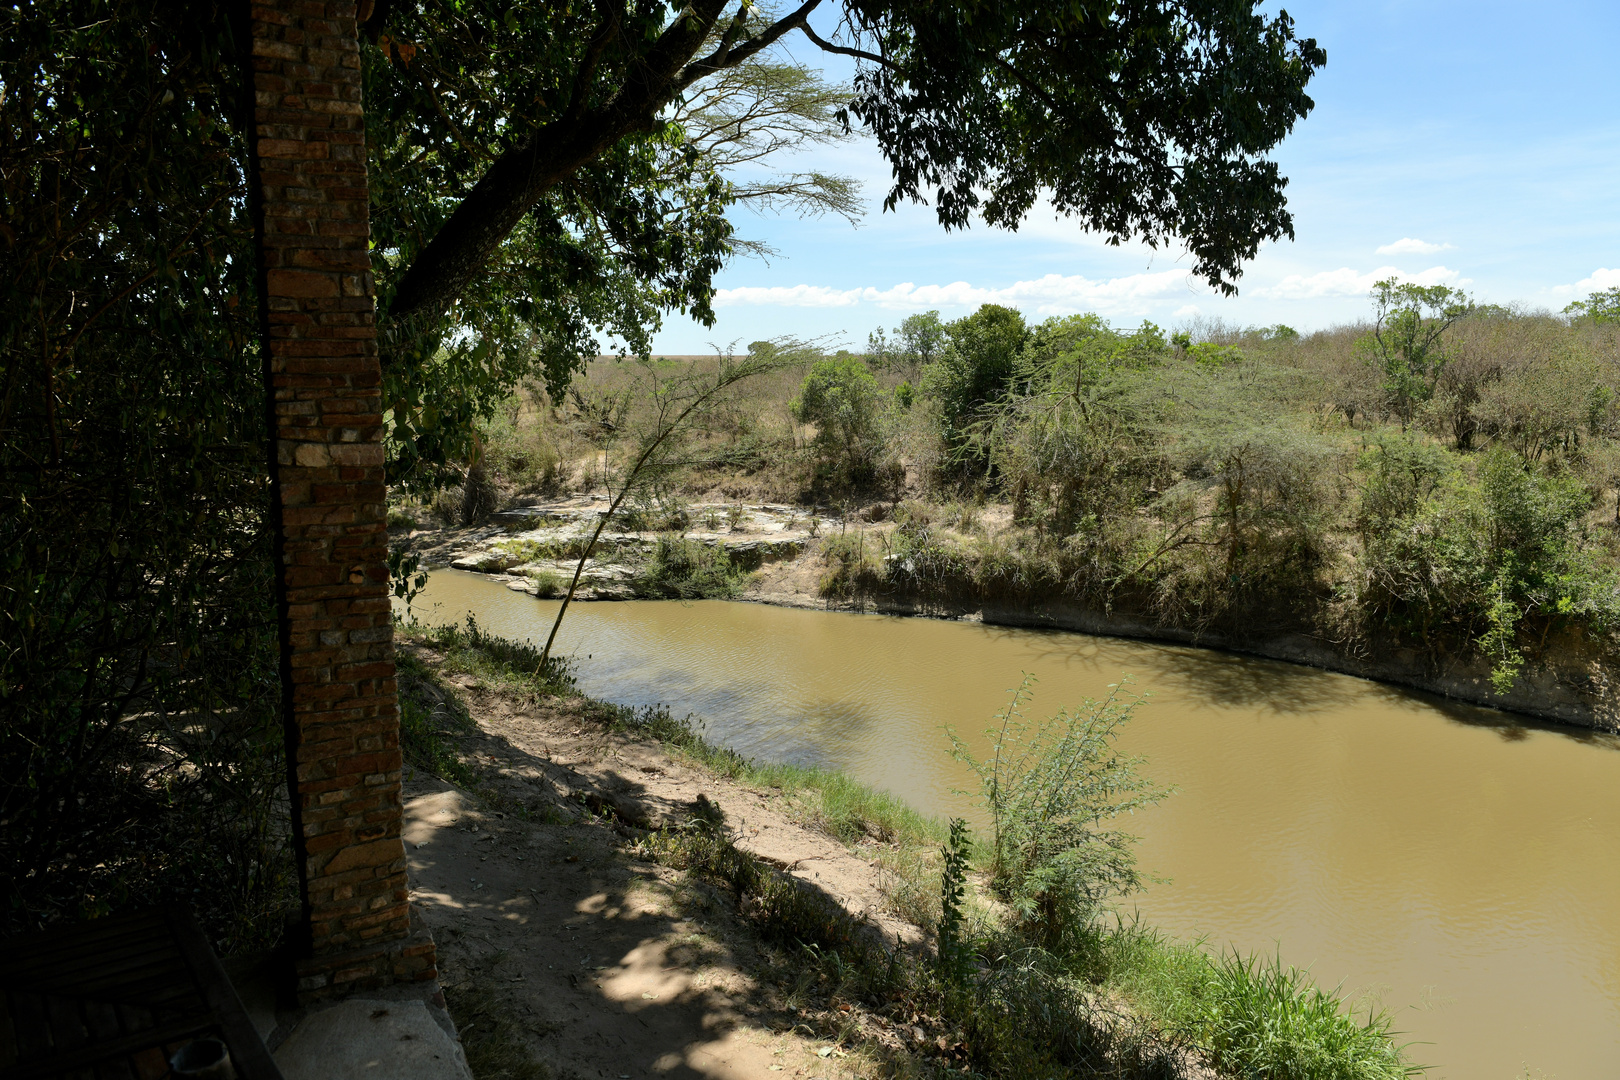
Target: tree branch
724, 56
588, 64
843, 50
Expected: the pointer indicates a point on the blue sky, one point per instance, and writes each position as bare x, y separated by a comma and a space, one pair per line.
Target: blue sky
1474, 144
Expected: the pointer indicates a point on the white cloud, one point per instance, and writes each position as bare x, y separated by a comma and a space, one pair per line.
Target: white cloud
1187, 311
1053, 294
1407, 245
797, 296
1601, 279
1347, 282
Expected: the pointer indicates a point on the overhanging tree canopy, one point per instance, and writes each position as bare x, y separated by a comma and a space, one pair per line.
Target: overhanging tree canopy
559, 122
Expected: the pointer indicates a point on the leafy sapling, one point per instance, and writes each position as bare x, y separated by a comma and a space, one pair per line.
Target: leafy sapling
1051, 787
955, 952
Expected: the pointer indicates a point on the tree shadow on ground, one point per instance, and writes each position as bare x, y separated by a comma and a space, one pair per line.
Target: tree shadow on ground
606, 961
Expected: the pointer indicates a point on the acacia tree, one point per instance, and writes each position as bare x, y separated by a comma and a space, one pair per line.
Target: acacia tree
917, 343
566, 195
1599, 307
1407, 343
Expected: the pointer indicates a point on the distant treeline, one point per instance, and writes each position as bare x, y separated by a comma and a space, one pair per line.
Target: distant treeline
1442, 476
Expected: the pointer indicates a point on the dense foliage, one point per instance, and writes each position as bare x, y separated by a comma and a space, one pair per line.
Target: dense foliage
543, 173
1439, 474
1052, 788
840, 398
140, 750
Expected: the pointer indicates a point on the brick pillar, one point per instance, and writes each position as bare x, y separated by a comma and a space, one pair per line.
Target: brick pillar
319, 312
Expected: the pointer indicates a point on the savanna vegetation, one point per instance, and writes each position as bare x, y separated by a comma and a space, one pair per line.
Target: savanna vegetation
1441, 478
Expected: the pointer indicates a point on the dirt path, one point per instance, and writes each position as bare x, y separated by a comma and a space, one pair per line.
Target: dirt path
612, 965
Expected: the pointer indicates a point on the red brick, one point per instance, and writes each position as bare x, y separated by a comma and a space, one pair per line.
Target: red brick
324, 375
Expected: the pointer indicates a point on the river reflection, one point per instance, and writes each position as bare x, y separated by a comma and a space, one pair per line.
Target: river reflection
1459, 863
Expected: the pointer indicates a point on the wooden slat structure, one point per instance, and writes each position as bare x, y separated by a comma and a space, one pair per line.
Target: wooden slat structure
114, 998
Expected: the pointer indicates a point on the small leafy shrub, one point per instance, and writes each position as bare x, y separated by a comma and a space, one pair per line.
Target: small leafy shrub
1051, 786
955, 951
1210, 354
446, 507
687, 570
521, 454
406, 576
852, 571
1401, 473
840, 397
654, 515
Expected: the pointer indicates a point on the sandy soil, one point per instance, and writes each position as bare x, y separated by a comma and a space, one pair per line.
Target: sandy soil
614, 965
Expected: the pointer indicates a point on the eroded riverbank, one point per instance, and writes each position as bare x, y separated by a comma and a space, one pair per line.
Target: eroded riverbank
1456, 861
534, 549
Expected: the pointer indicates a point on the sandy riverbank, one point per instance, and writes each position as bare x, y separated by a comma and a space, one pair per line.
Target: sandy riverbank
594, 959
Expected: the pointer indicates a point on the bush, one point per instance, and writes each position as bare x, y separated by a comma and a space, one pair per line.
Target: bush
520, 451
1050, 787
140, 731
1255, 509
1401, 471
840, 397
1489, 557
1545, 408
687, 570
975, 368
1061, 459
851, 569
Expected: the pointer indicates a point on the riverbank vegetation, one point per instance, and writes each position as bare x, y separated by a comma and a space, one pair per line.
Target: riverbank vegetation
1444, 478
1031, 970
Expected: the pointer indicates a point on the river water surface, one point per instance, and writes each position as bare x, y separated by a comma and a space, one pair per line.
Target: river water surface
1460, 865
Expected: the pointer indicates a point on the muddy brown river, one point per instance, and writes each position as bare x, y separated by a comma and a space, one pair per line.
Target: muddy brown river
1458, 864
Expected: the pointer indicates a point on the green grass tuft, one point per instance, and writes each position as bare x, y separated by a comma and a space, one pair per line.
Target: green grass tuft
1266, 1019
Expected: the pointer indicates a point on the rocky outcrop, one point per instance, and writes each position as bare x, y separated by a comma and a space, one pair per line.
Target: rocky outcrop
532, 546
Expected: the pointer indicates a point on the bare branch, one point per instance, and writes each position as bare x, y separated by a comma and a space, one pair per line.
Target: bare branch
724, 56
843, 50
